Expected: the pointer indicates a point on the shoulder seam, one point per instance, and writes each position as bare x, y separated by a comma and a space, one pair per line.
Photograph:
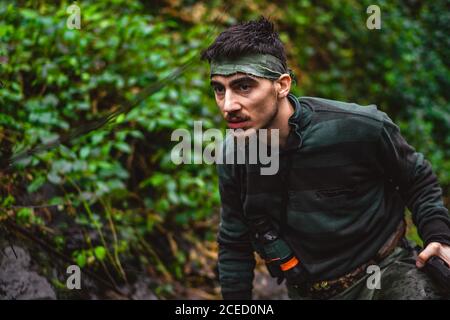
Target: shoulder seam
351, 113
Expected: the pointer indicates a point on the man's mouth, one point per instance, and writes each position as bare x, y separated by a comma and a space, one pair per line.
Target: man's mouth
237, 124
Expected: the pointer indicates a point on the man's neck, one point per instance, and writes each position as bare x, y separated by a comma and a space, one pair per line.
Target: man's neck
285, 111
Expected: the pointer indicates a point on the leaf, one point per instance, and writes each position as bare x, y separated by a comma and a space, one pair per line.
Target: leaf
24, 215
158, 179
100, 253
36, 184
54, 178
84, 152
81, 259
122, 146
120, 118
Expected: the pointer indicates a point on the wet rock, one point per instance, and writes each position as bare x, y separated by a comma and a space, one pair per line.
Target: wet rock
18, 280
142, 291
266, 288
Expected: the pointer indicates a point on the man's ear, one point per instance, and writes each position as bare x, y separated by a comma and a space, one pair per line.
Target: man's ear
283, 85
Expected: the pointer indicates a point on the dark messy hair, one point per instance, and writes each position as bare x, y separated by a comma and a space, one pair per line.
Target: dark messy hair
257, 36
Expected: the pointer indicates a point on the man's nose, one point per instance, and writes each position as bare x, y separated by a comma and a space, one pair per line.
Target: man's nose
230, 103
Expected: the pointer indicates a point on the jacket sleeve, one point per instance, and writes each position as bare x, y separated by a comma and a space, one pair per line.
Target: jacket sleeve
236, 257
416, 183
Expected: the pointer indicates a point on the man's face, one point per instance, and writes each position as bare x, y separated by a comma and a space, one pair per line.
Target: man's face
246, 102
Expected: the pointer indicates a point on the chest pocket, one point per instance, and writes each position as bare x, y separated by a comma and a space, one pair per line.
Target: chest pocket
335, 193
326, 199
321, 212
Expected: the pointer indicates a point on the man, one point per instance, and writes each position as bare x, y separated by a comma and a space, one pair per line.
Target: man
336, 206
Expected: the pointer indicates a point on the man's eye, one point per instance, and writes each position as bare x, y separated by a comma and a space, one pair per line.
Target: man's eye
244, 87
218, 90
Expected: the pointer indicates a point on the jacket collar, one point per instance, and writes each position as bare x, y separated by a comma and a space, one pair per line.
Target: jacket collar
298, 121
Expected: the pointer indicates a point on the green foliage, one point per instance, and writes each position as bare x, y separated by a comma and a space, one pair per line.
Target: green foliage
80, 258
57, 79
100, 253
7, 201
27, 216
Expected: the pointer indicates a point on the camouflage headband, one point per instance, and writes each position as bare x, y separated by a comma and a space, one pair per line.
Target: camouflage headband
260, 65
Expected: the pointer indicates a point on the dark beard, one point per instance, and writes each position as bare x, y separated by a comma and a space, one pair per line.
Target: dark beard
272, 117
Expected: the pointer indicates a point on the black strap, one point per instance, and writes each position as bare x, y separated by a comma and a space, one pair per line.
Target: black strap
285, 182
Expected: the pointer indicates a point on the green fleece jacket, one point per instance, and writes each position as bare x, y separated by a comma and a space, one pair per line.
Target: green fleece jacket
345, 187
